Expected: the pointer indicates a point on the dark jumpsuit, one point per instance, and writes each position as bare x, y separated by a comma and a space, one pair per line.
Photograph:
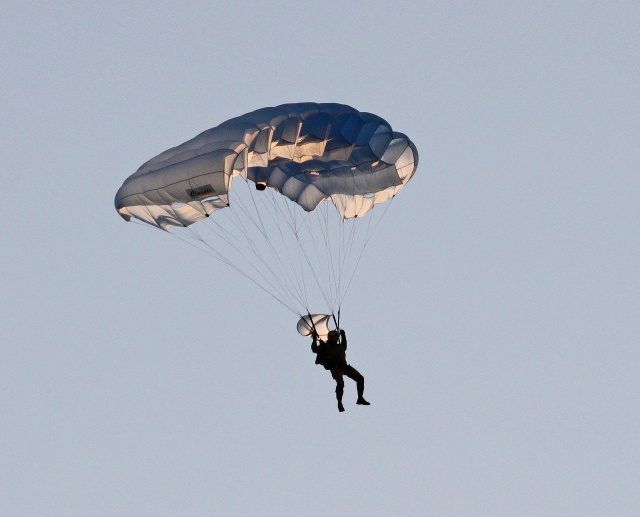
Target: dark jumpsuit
334, 358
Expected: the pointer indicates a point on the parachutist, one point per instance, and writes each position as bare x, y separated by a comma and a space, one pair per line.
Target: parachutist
332, 355
308, 156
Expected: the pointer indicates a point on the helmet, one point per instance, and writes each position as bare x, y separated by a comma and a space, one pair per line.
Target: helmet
333, 334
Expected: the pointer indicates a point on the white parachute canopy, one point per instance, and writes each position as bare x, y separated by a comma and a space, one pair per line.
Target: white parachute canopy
321, 323
282, 195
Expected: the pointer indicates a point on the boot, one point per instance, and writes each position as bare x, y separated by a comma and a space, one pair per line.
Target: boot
362, 402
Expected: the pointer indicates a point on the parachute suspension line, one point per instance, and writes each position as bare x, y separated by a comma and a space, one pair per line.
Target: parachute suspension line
316, 214
323, 280
351, 240
353, 236
135, 220
330, 250
222, 233
334, 279
257, 223
299, 278
320, 223
311, 267
275, 293
296, 227
346, 250
369, 234
294, 290
306, 226
290, 215
349, 246
313, 324
322, 217
236, 220
212, 252
347, 237
296, 218
340, 230
335, 254
293, 281
341, 225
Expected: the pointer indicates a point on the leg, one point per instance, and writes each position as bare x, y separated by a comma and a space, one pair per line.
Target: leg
337, 375
354, 374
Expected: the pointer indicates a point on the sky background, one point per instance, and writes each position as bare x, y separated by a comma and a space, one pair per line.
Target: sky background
495, 315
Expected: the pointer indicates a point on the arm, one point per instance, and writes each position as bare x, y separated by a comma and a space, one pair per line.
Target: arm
343, 339
314, 344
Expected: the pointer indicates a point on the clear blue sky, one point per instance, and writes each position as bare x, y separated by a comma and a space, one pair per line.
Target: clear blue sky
495, 317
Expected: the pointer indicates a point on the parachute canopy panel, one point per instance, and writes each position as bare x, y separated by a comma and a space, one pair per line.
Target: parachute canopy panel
307, 152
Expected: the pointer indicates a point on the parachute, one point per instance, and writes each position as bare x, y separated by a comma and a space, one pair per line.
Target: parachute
320, 323
284, 195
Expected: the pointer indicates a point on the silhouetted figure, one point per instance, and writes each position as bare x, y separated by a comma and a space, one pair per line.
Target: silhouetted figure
332, 355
